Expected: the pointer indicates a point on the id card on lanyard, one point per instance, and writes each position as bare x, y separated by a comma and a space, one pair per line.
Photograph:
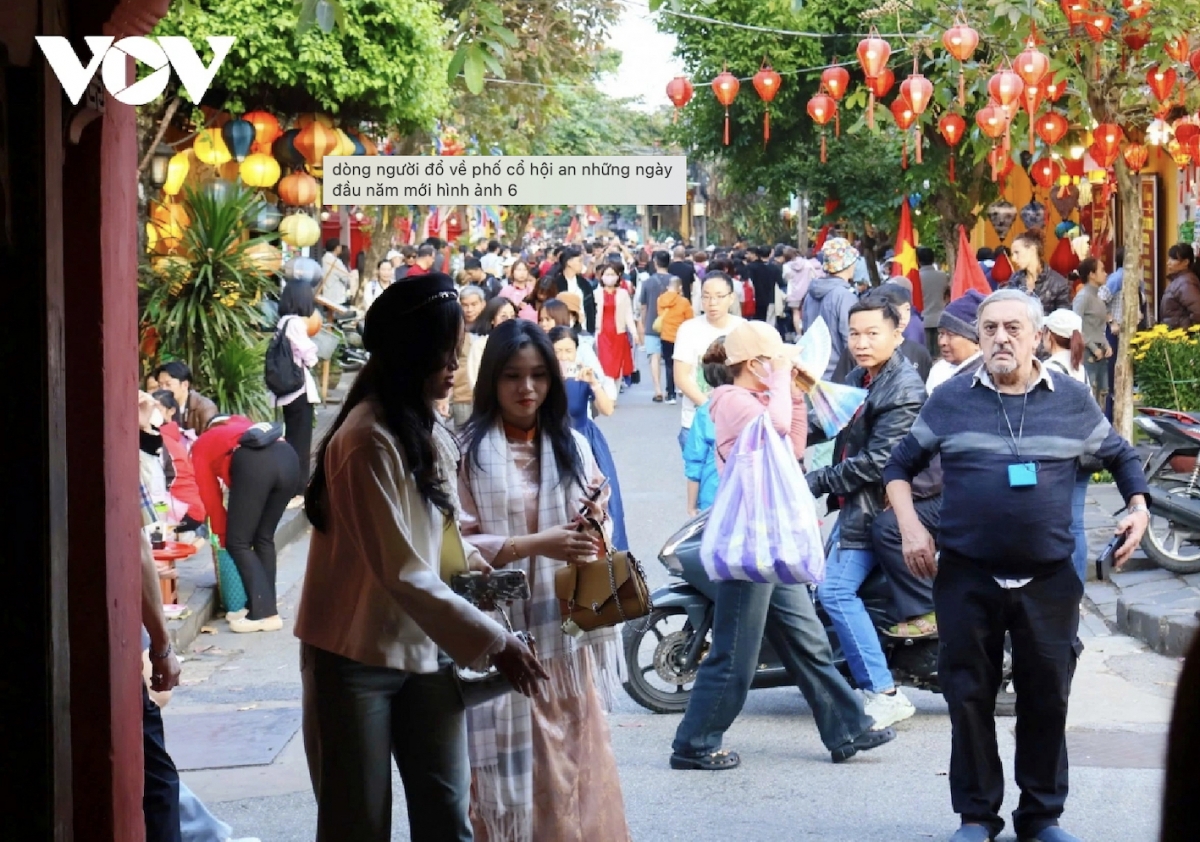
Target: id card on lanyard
1020, 474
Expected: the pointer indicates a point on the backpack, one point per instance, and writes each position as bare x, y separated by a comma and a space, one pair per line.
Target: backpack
748, 302
280, 370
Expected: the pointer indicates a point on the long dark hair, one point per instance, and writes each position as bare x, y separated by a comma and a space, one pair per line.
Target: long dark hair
483, 324
297, 300
420, 342
553, 421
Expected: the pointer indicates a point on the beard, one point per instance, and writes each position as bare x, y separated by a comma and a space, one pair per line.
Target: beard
1002, 367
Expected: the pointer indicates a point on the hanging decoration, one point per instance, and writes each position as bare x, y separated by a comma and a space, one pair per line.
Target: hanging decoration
1136, 156
315, 141
917, 91
725, 88
1001, 163
822, 108
177, 171
1052, 127
1031, 100
1177, 48
266, 129
1075, 11
1097, 25
210, 148
1005, 86
1001, 214
1162, 82
766, 85
679, 91
1065, 199
345, 145
238, 135
1136, 9
1053, 87
993, 121
1033, 216
873, 54
298, 190
904, 116
1032, 65
265, 257
1045, 172
1136, 36
1106, 144
879, 86
960, 41
259, 170
299, 230
267, 218
836, 80
952, 127
285, 152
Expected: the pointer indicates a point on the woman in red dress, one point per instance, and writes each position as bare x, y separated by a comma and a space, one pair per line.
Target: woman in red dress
612, 340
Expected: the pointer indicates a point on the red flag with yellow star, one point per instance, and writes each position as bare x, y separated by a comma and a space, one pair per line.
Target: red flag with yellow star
904, 262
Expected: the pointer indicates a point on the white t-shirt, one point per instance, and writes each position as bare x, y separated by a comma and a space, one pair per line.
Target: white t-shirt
695, 335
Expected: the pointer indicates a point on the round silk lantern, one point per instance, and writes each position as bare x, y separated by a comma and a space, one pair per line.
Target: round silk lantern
1032, 65
303, 269
766, 85
822, 108
1063, 260
284, 150
1136, 36
1005, 86
1052, 127
298, 190
299, 230
314, 142
725, 89
266, 218
308, 119
873, 54
210, 148
952, 127
177, 171
836, 80
345, 146
238, 135
1045, 171
1001, 214
1136, 156
679, 91
265, 257
1136, 8
960, 41
266, 126
880, 85
259, 170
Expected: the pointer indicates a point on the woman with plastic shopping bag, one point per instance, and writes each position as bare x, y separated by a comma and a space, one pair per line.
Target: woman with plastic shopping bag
762, 372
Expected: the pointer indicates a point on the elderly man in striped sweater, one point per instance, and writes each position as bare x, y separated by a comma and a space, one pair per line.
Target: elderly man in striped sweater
1010, 437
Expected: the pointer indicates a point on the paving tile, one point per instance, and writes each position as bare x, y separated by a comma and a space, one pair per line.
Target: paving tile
1137, 577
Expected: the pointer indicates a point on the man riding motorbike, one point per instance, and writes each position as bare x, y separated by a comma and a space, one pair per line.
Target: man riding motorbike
854, 483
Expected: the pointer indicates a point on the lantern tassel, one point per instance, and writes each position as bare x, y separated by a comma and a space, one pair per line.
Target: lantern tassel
822, 146
871, 110
962, 87
837, 123
675, 117
726, 126
766, 127
919, 145
1031, 140
904, 153
952, 181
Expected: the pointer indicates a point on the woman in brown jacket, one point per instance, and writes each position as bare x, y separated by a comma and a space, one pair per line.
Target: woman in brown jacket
1181, 302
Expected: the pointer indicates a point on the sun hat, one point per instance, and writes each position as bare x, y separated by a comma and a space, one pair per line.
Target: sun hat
1063, 323
837, 255
753, 339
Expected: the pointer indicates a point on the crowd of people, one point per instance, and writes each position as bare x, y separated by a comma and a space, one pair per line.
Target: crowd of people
469, 439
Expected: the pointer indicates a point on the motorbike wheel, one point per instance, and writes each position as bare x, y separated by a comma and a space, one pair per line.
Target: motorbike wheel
654, 648
1169, 545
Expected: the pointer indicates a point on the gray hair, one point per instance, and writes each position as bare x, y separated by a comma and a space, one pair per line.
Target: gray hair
471, 289
1033, 306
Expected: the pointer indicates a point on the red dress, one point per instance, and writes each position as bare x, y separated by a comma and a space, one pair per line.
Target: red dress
613, 349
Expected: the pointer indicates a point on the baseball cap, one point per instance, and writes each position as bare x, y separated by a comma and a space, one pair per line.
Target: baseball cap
392, 255
750, 340
1063, 323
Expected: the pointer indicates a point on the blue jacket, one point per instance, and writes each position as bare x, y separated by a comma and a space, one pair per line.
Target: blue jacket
700, 457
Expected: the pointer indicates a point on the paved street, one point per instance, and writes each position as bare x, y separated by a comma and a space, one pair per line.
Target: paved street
233, 724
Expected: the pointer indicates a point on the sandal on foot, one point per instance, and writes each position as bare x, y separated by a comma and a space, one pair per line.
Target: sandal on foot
924, 626
658, 399
714, 761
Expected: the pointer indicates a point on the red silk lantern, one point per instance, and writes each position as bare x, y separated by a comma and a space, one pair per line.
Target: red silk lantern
1107, 137
960, 41
881, 84
1005, 86
1186, 130
904, 116
1178, 48
315, 141
1075, 11
873, 54
1032, 65
822, 108
916, 90
766, 83
1097, 25
1053, 87
992, 120
1031, 100
297, 190
1194, 62
1161, 82
952, 127
1136, 155
725, 88
1001, 162
1136, 8
1052, 128
679, 91
1136, 36
1045, 171
835, 80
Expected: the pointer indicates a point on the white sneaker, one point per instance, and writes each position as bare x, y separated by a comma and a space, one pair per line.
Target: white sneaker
887, 709
237, 615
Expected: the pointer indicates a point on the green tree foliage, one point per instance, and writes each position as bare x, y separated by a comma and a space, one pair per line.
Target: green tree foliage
385, 64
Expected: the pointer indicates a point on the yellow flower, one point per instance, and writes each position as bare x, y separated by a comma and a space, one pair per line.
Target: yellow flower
1194, 329
1139, 357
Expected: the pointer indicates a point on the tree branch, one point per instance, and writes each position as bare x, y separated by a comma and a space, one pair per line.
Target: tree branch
172, 107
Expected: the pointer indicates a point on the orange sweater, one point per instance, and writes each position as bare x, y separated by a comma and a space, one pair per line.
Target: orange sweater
674, 310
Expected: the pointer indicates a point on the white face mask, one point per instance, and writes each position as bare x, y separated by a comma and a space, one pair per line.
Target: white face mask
156, 418
609, 280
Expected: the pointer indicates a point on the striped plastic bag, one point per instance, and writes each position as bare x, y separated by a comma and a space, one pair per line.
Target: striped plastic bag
763, 525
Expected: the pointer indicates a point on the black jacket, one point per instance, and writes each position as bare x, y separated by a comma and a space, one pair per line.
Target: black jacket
855, 479
589, 300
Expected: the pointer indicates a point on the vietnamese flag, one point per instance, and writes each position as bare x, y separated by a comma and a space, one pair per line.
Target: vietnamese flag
904, 261
968, 274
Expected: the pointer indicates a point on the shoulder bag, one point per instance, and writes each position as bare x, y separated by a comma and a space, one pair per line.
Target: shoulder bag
608, 591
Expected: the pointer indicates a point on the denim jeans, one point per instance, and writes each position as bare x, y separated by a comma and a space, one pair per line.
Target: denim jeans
741, 613
845, 571
356, 719
1078, 502
196, 824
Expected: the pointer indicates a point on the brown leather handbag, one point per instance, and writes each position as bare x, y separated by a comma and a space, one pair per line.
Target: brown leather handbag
608, 591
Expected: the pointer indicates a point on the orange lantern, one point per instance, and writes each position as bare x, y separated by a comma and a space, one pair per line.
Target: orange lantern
822, 108
766, 84
917, 91
679, 91
904, 116
1045, 171
1136, 8
1161, 82
1178, 48
992, 120
1052, 128
960, 41
835, 79
1136, 155
315, 141
1005, 86
1106, 144
881, 84
725, 88
1032, 65
873, 54
1053, 87
1075, 11
1136, 36
952, 127
298, 190
1097, 25
266, 127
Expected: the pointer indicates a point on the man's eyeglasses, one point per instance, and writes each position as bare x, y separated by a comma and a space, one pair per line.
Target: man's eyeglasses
713, 299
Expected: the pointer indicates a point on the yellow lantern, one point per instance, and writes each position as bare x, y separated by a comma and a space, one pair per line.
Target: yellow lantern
345, 145
266, 257
299, 230
210, 148
259, 170
151, 237
170, 222
177, 170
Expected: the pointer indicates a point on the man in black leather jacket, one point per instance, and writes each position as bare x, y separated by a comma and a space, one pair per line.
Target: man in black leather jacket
854, 483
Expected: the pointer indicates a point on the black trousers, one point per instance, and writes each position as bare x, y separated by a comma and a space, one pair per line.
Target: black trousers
160, 797
911, 595
262, 481
668, 354
1042, 618
298, 430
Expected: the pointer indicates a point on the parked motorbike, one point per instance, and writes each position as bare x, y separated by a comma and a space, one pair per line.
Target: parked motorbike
350, 353
1172, 541
663, 651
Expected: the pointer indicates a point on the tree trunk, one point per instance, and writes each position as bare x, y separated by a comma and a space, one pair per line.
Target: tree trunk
1131, 235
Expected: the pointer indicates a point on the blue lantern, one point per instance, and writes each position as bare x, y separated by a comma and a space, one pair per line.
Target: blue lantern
238, 135
284, 150
914, 199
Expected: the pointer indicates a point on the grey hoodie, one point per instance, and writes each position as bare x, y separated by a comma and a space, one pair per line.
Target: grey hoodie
831, 298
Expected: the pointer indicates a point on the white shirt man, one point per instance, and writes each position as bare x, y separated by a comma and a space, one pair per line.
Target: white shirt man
692, 341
